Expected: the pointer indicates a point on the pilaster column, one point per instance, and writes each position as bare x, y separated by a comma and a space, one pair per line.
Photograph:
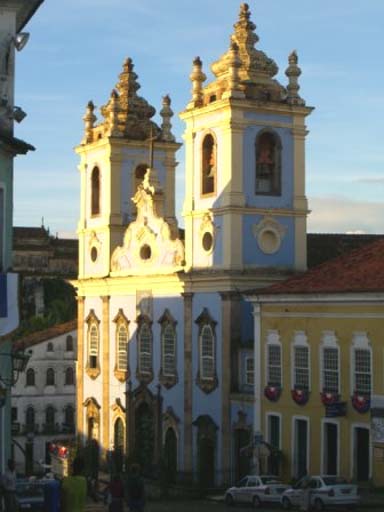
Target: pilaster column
105, 374
80, 370
257, 366
188, 438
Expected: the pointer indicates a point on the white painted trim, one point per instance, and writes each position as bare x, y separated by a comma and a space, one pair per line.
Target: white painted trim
300, 339
278, 415
257, 367
306, 298
360, 341
324, 421
2, 258
293, 444
353, 453
273, 338
329, 340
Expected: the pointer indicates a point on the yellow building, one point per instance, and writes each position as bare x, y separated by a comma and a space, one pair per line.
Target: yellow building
319, 387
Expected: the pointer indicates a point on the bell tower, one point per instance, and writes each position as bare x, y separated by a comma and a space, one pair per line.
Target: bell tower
245, 206
114, 158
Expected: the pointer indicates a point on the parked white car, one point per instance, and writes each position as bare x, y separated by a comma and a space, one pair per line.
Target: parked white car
325, 491
256, 490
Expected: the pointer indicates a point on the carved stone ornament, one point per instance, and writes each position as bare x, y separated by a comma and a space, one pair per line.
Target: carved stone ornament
269, 234
148, 246
207, 233
170, 420
94, 245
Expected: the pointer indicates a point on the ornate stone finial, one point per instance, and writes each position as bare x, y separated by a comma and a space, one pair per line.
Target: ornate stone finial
234, 89
133, 112
197, 78
89, 122
113, 130
293, 72
166, 113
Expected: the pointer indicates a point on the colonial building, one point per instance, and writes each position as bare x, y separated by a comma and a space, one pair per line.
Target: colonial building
14, 16
44, 398
319, 389
165, 366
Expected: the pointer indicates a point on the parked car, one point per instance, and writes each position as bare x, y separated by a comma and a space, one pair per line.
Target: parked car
325, 491
30, 495
256, 490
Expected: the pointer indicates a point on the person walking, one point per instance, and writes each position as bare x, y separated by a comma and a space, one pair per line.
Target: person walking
115, 493
9, 487
135, 490
74, 489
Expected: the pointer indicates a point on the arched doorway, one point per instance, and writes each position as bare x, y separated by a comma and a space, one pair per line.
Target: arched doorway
170, 454
144, 436
119, 443
206, 451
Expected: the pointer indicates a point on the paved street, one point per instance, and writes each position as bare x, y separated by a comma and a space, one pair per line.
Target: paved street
197, 506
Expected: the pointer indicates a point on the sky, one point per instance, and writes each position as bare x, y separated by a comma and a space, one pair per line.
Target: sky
76, 51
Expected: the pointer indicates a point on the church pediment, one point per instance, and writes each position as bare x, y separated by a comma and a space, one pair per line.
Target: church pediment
148, 246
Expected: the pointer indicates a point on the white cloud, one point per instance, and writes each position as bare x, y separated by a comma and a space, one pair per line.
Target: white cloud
342, 215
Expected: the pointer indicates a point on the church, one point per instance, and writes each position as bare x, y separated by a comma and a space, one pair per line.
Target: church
165, 336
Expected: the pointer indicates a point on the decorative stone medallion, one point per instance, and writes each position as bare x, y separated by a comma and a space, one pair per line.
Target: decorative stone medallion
269, 234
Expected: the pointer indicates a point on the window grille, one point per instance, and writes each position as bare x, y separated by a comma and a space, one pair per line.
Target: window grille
122, 347
145, 349
169, 350
363, 371
274, 365
207, 366
301, 372
331, 370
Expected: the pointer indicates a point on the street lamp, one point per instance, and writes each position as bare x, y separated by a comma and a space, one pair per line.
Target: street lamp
19, 360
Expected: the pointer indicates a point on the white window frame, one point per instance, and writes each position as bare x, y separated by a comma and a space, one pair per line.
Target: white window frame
170, 355
329, 340
273, 339
293, 444
324, 422
360, 341
300, 340
247, 360
93, 344
142, 353
210, 357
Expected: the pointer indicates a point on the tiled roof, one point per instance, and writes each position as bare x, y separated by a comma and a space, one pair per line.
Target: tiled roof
361, 270
49, 333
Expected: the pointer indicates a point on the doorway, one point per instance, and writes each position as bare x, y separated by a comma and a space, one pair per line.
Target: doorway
301, 447
362, 454
242, 458
170, 454
330, 448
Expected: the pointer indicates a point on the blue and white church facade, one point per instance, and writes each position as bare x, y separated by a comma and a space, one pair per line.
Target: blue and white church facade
165, 338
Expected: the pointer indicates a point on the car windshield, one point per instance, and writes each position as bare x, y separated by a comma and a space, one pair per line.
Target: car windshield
269, 480
334, 480
28, 490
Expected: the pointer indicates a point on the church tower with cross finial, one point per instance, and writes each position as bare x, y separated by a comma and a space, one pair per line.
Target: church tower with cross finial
115, 155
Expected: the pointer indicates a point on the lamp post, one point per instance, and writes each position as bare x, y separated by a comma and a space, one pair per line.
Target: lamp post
19, 360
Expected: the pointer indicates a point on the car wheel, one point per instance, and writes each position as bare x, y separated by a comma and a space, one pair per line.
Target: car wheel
229, 500
256, 502
319, 505
286, 503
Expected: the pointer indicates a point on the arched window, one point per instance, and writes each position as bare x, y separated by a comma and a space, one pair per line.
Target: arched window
93, 345
69, 343
122, 346
69, 416
145, 349
268, 164
168, 343
50, 347
208, 165
30, 416
30, 377
50, 377
207, 353
95, 196
119, 435
50, 415
69, 377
